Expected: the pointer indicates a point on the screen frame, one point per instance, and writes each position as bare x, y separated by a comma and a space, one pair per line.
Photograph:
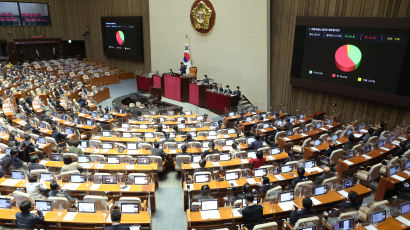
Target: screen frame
341, 90
125, 19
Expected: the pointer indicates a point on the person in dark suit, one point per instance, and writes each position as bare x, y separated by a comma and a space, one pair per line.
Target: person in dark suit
369, 133
327, 173
206, 79
258, 143
116, 219
27, 220
59, 137
182, 68
157, 151
35, 163
301, 177
220, 88
237, 91
252, 214
352, 204
227, 90
204, 195
380, 129
307, 211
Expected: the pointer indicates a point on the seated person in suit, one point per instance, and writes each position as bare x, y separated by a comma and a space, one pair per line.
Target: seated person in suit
35, 163
301, 177
182, 68
349, 145
220, 88
369, 133
381, 128
352, 203
265, 186
11, 161
252, 214
228, 90
258, 143
258, 161
401, 149
116, 221
27, 220
69, 165
157, 151
206, 79
237, 91
59, 137
329, 150
34, 188
55, 190
74, 147
205, 190
307, 211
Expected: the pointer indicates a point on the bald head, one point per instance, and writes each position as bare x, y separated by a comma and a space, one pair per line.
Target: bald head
326, 170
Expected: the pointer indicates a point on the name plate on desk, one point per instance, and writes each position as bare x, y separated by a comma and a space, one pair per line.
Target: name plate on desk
357, 135
343, 193
236, 213
279, 177
366, 157
324, 129
403, 220
251, 181
271, 158
398, 178
214, 214
385, 149
402, 138
303, 134
315, 201
286, 139
348, 162
244, 161
315, 149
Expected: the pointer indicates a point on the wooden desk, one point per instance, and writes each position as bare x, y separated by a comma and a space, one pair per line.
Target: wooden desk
219, 103
176, 87
271, 211
298, 137
389, 224
79, 220
101, 95
388, 183
358, 160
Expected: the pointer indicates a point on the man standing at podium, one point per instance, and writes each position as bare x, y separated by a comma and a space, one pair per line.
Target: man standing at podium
182, 69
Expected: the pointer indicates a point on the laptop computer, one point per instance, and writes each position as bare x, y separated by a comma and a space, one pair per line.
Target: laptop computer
286, 196
201, 178
18, 175
319, 125
77, 178
43, 205
140, 180
378, 217
209, 205
195, 158
393, 170
130, 208
84, 144
251, 154
5, 203
68, 131
404, 208
346, 224
380, 143
407, 165
107, 145
143, 160
125, 125
229, 142
83, 159
260, 172
132, 146
46, 177
109, 179
350, 153
231, 176
310, 164
316, 142
86, 207
335, 137
56, 157
113, 160
286, 169
367, 148
348, 183
320, 190
41, 140
275, 151
149, 135
126, 135
90, 123
225, 157
291, 120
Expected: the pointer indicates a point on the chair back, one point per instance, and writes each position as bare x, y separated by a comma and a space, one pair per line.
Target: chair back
97, 158
265, 150
169, 145
335, 156
73, 156
97, 177
181, 159
100, 202
273, 193
38, 172
194, 144
212, 157
145, 146
279, 134
266, 226
240, 155
132, 175
95, 144
21, 196
374, 172
307, 222
304, 188
66, 176
158, 161
330, 182
59, 203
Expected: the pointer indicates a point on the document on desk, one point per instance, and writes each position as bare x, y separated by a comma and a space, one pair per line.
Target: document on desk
402, 138
315, 201
385, 149
357, 135
215, 164
366, 157
10, 182
343, 193
71, 186
397, 177
348, 162
279, 177
130, 167
319, 169
324, 129
95, 187
236, 213
86, 165
271, 158
396, 143
213, 214
244, 161
195, 166
99, 166
315, 149
403, 220
251, 181
233, 183
303, 134
69, 216
309, 170
286, 206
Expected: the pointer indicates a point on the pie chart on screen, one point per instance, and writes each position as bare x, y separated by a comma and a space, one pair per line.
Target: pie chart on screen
348, 58
120, 37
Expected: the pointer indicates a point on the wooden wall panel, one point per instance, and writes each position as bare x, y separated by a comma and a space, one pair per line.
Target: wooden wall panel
71, 18
283, 95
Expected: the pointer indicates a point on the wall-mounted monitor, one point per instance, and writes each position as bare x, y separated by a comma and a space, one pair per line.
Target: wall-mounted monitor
367, 58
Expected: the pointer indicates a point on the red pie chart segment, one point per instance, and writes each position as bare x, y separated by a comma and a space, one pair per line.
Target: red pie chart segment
347, 58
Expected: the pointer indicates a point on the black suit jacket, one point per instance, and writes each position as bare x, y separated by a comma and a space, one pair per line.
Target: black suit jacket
252, 215
183, 69
117, 227
296, 215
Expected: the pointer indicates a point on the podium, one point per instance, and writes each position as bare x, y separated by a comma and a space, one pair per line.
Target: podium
176, 87
218, 102
197, 94
144, 83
